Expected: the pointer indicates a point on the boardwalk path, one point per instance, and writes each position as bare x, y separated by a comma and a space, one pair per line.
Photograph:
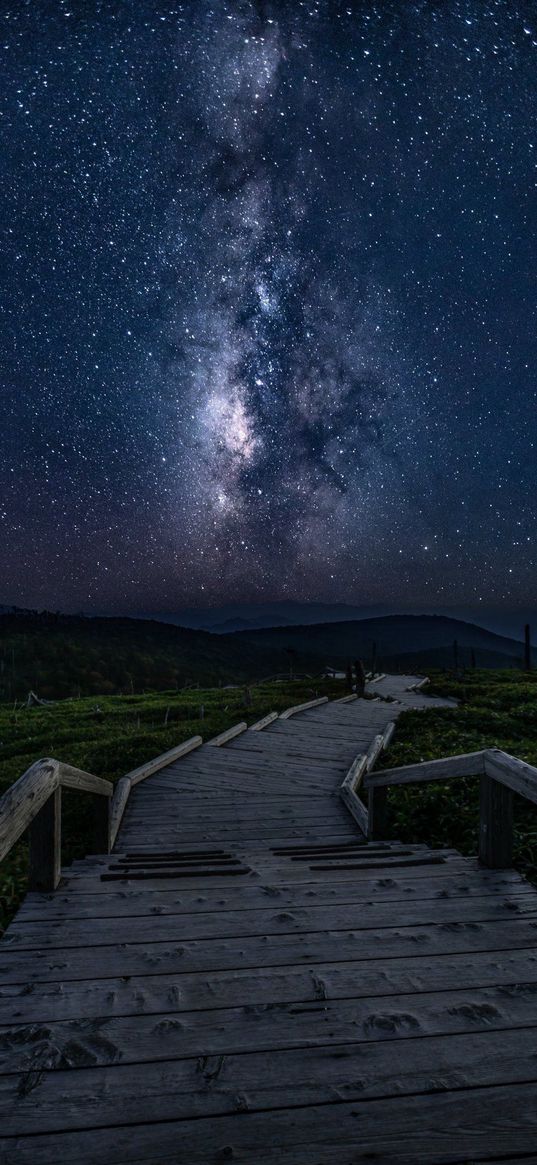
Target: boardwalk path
244, 980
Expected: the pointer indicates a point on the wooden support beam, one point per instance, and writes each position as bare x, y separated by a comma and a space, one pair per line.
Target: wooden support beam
45, 844
495, 824
378, 798
378, 814
101, 823
119, 801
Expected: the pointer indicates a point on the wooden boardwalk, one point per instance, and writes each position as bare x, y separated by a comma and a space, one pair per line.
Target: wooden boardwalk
244, 979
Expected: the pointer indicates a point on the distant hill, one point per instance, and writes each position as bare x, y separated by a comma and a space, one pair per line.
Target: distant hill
251, 616
401, 642
245, 616
67, 655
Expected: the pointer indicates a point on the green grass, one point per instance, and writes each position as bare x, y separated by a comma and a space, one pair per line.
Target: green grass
110, 735
497, 709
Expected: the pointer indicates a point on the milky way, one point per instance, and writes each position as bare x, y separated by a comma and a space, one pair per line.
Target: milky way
268, 303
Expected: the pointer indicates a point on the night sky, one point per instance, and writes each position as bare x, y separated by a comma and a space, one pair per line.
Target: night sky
268, 303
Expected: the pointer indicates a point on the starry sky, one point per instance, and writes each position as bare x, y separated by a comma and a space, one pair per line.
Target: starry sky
268, 303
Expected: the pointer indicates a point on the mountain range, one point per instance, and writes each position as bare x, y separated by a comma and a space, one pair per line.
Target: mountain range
232, 617
63, 655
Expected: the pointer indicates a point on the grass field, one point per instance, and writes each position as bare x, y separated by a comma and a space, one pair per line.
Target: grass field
109, 735
497, 709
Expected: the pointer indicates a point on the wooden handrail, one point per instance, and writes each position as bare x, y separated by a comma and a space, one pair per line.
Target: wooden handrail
229, 734
261, 724
302, 707
356, 775
34, 803
125, 784
500, 775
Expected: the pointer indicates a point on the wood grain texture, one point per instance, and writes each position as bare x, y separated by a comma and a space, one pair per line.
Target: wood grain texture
20, 804
467, 765
517, 775
119, 800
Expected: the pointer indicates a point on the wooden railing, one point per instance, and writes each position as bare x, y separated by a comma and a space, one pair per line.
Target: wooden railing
500, 776
34, 803
125, 784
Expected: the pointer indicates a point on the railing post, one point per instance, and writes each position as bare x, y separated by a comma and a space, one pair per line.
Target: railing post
45, 844
495, 824
378, 813
101, 823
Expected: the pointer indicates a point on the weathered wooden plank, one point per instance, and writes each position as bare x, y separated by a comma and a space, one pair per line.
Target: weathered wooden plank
334, 814
246, 749
249, 763
267, 920
495, 824
214, 832
273, 853
325, 730
173, 1090
178, 1035
184, 991
80, 881
273, 743
245, 783
231, 797
437, 1129
273, 950
163, 901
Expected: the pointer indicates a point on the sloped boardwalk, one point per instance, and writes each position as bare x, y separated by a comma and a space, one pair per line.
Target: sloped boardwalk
244, 979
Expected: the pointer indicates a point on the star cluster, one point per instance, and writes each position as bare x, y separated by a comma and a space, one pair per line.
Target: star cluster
268, 302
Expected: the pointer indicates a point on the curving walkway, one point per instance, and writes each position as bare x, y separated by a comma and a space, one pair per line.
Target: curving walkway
245, 979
